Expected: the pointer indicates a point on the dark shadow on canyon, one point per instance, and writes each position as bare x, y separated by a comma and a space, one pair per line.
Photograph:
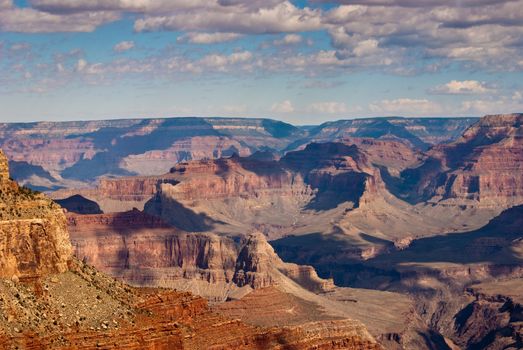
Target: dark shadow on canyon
338, 256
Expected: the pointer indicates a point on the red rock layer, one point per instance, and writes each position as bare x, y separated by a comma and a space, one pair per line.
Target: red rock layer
483, 167
33, 234
143, 250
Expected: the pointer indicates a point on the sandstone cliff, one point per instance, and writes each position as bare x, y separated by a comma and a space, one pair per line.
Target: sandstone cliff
482, 168
33, 233
145, 251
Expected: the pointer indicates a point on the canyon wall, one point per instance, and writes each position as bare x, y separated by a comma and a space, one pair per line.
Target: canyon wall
482, 168
33, 233
145, 251
50, 156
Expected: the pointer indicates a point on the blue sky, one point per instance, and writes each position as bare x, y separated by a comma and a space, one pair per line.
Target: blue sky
304, 62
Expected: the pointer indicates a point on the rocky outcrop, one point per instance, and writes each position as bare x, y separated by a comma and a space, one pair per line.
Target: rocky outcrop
145, 251
4, 168
85, 309
259, 266
33, 234
482, 168
493, 318
320, 177
338, 172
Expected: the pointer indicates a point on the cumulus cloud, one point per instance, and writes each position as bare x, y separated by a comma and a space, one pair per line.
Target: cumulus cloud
478, 33
28, 20
406, 106
279, 18
208, 38
403, 37
466, 87
283, 107
123, 46
289, 39
411, 3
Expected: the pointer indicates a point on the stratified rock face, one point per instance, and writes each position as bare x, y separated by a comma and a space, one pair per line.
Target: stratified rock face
339, 173
228, 177
259, 266
52, 301
33, 234
84, 309
85, 151
482, 168
145, 251
49, 155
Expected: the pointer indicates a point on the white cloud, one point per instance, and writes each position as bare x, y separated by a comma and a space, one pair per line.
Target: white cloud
289, 39
406, 106
465, 87
277, 18
328, 107
366, 48
81, 64
283, 107
123, 46
222, 62
208, 38
28, 20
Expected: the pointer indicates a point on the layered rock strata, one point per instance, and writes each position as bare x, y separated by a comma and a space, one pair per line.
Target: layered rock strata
33, 232
482, 168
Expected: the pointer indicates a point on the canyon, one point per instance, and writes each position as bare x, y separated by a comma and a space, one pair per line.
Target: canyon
62, 155
51, 300
404, 230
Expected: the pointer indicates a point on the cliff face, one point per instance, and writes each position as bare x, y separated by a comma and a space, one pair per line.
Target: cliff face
145, 251
320, 177
258, 266
482, 168
492, 320
33, 234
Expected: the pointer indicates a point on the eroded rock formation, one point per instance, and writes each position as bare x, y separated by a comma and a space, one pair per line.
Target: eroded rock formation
145, 251
482, 168
33, 232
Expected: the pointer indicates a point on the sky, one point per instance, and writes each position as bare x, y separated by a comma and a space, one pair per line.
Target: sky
303, 62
